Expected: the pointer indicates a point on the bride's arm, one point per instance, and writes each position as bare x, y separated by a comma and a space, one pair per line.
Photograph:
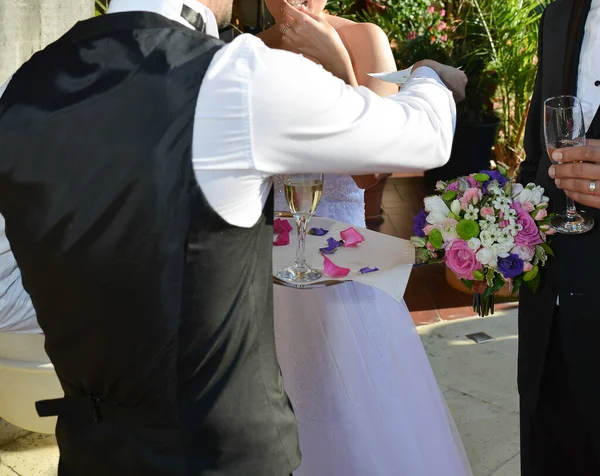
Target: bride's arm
370, 52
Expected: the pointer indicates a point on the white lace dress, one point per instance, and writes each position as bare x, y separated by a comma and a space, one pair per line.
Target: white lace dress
353, 365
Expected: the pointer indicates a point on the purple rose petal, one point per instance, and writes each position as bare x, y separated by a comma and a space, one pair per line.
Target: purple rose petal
332, 246
317, 231
368, 270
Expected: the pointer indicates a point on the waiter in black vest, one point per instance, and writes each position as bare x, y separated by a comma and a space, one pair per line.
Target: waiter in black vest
559, 355
135, 177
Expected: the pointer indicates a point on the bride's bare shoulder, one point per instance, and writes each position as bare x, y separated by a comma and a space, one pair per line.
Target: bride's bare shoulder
270, 37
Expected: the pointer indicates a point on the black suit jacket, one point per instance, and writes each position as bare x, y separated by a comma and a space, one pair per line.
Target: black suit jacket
573, 274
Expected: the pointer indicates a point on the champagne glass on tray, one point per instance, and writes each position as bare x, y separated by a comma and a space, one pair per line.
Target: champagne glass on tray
564, 127
303, 193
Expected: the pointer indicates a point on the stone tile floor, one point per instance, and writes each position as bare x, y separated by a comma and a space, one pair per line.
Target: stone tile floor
478, 382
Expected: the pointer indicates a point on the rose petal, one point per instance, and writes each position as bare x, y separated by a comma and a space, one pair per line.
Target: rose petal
317, 231
280, 225
330, 269
282, 239
368, 270
329, 250
332, 246
351, 237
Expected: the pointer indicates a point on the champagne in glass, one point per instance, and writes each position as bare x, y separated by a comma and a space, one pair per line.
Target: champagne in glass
303, 193
564, 127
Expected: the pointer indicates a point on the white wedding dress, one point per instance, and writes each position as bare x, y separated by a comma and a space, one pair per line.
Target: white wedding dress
356, 372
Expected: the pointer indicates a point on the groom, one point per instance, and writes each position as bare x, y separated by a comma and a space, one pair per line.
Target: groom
559, 325
135, 174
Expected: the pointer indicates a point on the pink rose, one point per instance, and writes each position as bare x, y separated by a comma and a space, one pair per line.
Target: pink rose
430, 9
441, 26
525, 252
428, 228
543, 205
411, 35
485, 211
461, 259
541, 214
528, 207
529, 234
471, 196
444, 38
527, 267
430, 246
503, 223
442, 12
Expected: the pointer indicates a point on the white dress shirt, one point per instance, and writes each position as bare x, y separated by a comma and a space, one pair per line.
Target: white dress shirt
588, 78
262, 112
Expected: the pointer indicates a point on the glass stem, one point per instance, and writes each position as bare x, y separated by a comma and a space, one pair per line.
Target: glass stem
300, 261
571, 209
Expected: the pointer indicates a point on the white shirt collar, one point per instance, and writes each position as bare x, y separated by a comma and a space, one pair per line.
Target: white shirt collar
170, 9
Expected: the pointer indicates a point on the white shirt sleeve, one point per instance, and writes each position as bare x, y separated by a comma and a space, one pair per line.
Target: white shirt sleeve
262, 112
306, 120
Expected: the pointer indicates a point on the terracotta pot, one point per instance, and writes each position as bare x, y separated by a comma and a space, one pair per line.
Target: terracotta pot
373, 200
457, 284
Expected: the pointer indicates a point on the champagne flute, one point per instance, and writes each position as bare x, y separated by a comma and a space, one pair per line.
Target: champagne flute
303, 194
564, 127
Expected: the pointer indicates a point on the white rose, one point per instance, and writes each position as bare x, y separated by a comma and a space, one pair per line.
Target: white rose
437, 209
524, 196
487, 257
455, 207
536, 195
474, 244
517, 188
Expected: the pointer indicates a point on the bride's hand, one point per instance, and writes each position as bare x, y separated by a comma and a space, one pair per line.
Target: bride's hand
312, 36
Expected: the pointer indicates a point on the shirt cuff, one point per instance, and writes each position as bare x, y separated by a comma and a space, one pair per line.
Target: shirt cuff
426, 72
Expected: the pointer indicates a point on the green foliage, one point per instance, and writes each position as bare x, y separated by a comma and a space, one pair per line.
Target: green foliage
467, 229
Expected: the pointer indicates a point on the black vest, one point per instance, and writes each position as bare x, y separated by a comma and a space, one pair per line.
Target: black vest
157, 313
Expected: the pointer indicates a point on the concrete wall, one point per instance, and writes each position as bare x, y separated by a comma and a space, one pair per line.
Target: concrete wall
27, 26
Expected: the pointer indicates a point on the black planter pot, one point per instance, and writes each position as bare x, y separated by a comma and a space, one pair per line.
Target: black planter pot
471, 150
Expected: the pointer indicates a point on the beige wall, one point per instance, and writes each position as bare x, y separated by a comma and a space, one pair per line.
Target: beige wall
27, 26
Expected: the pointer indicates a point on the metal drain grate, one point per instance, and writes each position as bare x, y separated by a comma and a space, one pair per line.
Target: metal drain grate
479, 337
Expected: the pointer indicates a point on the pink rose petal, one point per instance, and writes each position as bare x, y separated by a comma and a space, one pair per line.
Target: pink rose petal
330, 269
282, 239
280, 225
351, 237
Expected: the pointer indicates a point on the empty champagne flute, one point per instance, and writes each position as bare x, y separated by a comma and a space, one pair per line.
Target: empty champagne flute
564, 127
303, 194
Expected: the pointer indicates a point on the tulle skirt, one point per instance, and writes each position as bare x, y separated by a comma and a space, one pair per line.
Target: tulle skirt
361, 385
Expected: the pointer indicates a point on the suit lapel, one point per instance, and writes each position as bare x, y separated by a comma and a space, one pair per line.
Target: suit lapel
575, 32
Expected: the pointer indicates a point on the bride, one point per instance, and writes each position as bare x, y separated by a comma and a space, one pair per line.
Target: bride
363, 391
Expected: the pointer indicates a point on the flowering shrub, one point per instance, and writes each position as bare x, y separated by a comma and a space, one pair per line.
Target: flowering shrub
489, 231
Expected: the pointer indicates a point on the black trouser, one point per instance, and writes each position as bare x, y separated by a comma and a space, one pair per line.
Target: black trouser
554, 437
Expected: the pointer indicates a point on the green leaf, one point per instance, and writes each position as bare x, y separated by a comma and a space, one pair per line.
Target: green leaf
468, 283
478, 276
498, 283
530, 275
489, 277
481, 177
547, 249
435, 238
418, 242
502, 170
517, 282
534, 283
449, 196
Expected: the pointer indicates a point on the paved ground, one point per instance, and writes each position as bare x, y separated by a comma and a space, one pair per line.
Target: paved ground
478, 381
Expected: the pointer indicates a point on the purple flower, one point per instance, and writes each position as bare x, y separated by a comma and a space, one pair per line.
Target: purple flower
332, 246
494, 175
511, 266
368, 270
420, 222
318, 231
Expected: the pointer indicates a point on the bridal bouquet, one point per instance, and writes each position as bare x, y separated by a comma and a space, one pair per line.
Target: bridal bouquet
488, 231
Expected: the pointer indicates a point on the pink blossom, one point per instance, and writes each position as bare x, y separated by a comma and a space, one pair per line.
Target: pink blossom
527, 267
430, 246
503, 223
430, 9
428, 228
472, 182
452, 187
441, 26
525, 252
541, 214
411, 35
461, 260
543, 205
528, 206
471, 196
444, 38
442, 12
530, 233
485, 211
